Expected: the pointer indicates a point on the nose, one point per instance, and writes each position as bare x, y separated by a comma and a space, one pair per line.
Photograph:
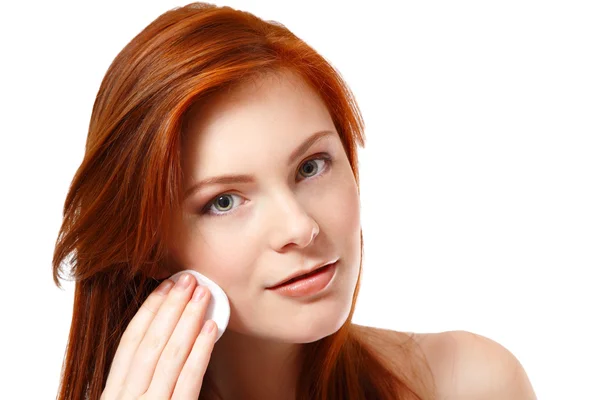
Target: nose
292, 225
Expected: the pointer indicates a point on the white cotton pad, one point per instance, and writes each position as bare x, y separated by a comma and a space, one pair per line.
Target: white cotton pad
218, 308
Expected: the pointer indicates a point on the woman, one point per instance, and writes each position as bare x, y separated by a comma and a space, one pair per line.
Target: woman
206, 92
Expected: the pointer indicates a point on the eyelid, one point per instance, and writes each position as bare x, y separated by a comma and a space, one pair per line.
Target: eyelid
324, 156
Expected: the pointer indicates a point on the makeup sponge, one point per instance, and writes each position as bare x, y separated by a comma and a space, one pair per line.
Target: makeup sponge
218, 308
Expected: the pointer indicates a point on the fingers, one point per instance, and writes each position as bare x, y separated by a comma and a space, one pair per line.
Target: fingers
132, 337
191, 377
162, 353
177, 351
158, 334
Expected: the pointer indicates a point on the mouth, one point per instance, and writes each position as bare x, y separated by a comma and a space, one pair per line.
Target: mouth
308, 275
309, 284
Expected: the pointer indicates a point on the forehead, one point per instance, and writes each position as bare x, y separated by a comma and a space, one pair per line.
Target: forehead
236, 129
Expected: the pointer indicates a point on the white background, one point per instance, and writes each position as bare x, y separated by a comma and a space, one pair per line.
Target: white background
480, 179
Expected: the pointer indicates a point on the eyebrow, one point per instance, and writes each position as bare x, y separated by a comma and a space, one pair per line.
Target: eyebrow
243, 178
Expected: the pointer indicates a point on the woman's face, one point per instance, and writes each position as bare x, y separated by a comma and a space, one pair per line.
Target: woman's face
292, 215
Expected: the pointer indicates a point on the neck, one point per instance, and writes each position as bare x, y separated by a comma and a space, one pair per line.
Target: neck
247, 367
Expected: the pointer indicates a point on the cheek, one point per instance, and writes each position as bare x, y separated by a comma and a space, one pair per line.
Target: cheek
344, 224
344, 208
213, 256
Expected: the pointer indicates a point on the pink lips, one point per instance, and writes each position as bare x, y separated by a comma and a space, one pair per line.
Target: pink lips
307, 284
301, 274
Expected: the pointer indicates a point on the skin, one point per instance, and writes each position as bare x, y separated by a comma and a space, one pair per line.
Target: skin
293, 217
464, 365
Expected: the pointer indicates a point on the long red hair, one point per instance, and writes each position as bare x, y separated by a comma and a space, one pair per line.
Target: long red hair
118, 209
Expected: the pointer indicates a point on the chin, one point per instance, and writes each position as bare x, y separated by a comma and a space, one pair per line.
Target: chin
318, 325
302, 327
318, 333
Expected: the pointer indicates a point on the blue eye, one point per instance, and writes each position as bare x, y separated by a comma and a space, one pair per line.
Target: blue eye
223, 203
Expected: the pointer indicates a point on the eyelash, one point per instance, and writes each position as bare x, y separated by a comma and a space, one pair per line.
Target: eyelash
205, 210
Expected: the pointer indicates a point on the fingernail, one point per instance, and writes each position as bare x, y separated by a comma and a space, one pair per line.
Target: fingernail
183, 281
198, 293
209, 326
165, 286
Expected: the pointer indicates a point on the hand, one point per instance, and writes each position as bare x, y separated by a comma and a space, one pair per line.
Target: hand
161, 354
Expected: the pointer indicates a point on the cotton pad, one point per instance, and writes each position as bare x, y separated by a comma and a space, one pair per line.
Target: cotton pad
218, 308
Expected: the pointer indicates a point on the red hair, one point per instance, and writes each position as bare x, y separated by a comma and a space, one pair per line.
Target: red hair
118, 210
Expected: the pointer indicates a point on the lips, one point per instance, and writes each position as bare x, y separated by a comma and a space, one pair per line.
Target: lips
316, 271
305, 275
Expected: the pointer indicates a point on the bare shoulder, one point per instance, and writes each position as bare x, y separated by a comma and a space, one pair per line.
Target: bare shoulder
470, 366
463, 365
